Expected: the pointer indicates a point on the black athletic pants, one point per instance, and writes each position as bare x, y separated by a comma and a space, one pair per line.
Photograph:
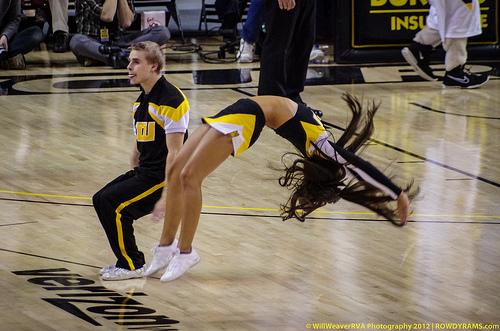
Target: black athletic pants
286, 48
126, 198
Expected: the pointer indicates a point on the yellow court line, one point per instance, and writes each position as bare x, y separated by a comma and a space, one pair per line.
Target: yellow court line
258, 208
47, 195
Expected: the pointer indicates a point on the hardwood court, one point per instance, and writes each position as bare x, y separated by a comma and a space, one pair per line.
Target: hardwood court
67, 131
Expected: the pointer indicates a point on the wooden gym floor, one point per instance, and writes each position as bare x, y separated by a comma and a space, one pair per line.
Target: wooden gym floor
66, 131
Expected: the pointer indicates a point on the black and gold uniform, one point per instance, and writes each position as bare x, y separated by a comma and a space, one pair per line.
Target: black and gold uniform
306, 132
132, 195
243, 121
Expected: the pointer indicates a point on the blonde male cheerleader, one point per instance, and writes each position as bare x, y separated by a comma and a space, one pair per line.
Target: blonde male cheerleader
161, 116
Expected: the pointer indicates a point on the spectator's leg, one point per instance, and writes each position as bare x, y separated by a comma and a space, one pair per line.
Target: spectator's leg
158, 34
59, 10
428, 36
25, 41
86, 47
254, 21
456, 52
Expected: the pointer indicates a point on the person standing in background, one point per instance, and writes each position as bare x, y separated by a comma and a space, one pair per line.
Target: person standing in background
290, 32
451, 23
60, 30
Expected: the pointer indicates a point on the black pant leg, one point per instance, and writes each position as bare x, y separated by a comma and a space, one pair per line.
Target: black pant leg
280, 25
118, 204
300, 48
286, 48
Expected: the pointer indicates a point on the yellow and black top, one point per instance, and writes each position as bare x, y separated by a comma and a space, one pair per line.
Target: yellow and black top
306, 132
243, 121
164, 110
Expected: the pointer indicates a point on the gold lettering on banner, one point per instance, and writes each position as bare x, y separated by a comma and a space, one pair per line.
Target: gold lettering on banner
407, 22
398, 3
484, 21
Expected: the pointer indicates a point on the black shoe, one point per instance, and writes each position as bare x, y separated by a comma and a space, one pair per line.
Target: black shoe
60, 41
458, 77
418, 56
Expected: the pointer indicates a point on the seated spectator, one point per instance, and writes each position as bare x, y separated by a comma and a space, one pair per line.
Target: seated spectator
15, 41
101, 36
59, 12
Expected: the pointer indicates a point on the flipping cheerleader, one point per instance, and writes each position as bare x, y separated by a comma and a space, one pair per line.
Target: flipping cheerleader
324, 171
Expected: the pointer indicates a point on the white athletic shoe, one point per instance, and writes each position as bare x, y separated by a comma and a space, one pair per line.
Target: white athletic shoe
316, 55
106, 269
120, 274
180, 264
245, 53
161, 257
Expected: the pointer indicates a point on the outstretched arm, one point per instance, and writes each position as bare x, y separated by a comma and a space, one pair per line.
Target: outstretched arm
365, 171
362, 169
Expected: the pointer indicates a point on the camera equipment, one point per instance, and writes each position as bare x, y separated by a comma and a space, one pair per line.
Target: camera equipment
109, 49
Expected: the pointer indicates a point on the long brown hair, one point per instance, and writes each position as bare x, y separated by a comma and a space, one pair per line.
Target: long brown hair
319, 179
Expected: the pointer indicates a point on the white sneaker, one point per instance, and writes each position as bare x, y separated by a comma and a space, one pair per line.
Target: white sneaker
106, 269
245, 53
161, 257
180, 264
120, 274
316, 55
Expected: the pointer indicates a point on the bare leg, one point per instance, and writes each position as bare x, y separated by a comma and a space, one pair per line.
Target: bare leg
211, 151
174, 189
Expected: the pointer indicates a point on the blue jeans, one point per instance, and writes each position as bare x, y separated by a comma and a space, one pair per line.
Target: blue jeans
24, 41
254, 21
85, 46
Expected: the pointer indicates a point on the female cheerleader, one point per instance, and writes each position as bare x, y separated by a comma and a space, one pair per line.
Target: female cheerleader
324, 172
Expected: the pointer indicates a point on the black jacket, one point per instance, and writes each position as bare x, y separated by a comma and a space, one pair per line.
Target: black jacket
10, 17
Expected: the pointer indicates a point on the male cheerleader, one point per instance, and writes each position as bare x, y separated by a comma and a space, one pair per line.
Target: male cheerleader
161, 116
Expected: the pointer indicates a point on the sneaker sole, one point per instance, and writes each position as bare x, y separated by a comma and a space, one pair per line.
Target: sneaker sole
408, 56
467, 87
164, 280
103, 277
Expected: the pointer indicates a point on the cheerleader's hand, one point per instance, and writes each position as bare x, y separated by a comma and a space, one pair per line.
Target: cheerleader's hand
403, 208
159, 210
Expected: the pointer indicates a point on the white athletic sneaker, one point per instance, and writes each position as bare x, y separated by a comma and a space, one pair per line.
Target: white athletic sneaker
245, 53
161, 257
316, 55
180, 264
106, 269
120, 274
